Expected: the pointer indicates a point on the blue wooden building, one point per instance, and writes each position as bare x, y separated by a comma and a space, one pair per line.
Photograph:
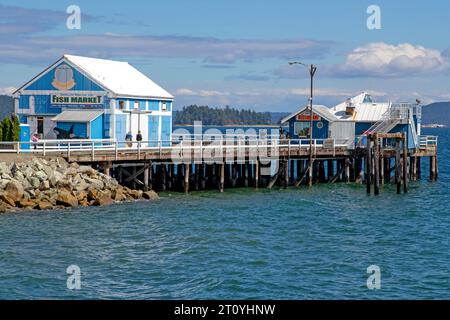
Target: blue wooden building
89, 98
354, 118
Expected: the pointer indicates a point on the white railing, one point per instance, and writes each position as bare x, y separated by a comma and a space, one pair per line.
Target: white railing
93, 147
426, 141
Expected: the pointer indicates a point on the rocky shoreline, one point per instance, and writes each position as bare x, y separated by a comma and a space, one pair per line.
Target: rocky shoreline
54, 184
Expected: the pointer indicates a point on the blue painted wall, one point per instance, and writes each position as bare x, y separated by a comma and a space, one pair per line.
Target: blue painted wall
42, 105
24, 102
318, 133
361, 127
153, 125
80, 129
97, 128
165, 130
81, 82
121, 127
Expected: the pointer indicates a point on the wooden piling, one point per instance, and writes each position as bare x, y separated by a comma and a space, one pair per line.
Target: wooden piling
186, 177
221, 177
257, 174
405, 163
398, 181
369, 165
376, 167
146, 176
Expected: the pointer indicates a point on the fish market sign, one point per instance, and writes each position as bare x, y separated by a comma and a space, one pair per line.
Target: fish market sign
57, 99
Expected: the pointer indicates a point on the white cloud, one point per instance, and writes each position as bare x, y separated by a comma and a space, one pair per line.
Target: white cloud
7, 90
385, 60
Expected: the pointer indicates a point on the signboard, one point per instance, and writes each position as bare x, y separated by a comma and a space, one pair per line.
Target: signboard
78, 100
306, 116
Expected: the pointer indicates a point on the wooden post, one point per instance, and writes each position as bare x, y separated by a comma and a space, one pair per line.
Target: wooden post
369, 164
330, 170
202, 176
107, 168
120, 174
186, 177
196, 177
257, 173
222, 176
419, 168
286, 174
170, 176
405, 163
245, 174
292, 172
133, 181
146, 176
382, 168
164, 177
432, 168
376, 162
398, 181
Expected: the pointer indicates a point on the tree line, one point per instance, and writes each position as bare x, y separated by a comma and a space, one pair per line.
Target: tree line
10, 128
220, 116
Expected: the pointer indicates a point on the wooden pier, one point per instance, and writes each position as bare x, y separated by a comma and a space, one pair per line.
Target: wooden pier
260, 163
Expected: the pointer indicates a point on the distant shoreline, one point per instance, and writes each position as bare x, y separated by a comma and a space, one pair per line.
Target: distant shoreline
434, 126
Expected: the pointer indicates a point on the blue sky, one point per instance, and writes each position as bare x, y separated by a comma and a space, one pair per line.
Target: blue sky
236, 52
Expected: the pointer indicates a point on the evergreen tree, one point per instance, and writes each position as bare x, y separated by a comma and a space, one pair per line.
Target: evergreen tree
6, 124
15, 128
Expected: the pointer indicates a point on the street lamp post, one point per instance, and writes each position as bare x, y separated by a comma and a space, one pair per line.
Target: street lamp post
312, 70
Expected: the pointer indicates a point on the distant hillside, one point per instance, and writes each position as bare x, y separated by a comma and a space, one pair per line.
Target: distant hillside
438, 112
6, 106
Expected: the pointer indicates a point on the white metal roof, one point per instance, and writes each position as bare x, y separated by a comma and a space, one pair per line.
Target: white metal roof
321, 110
78, 115
364, 111
119, 77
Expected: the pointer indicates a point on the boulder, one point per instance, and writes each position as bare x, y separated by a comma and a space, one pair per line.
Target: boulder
4, 168
118, 194
97, 184
54, 178
44, 185
84, 203
86, 170
34, 182
64, 184
41, 175
81, 185
14, 190
8, 200
103, 200
150, 195
135, 194
24, 203
66, 199
81, 195
44, 205
92, 194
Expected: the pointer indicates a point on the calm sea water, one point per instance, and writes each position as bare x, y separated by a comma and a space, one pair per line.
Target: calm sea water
278, 244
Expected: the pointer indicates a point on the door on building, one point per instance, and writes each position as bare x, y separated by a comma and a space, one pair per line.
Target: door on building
40, 126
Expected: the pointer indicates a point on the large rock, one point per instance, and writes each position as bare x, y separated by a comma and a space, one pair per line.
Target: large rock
150, 195
118, 194
44, 185
8, 200
14, 190
41, 175
24, 203
81, 185
44, 205
103, 200
4, 168
135, 194
66, 199
54, 178
64, 184
86, 170
34, 182
97, 184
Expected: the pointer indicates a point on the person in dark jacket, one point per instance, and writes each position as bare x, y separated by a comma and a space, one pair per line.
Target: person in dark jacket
139, 136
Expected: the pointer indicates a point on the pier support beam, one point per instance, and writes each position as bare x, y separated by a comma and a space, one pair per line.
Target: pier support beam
405, 163
257, 174
369, 165
398, 181
221, 177
186, 177
376, 161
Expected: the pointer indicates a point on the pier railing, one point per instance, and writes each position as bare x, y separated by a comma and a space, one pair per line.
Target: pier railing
92, 147
427, 141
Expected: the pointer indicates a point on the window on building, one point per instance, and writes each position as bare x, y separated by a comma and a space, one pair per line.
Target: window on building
164, 106
367, 99
40, 125
122, 105
136, 104
301, 129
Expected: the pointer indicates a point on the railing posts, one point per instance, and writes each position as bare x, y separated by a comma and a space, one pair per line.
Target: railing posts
116, 149
43, 149
93, 151
139, 150
18, 147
